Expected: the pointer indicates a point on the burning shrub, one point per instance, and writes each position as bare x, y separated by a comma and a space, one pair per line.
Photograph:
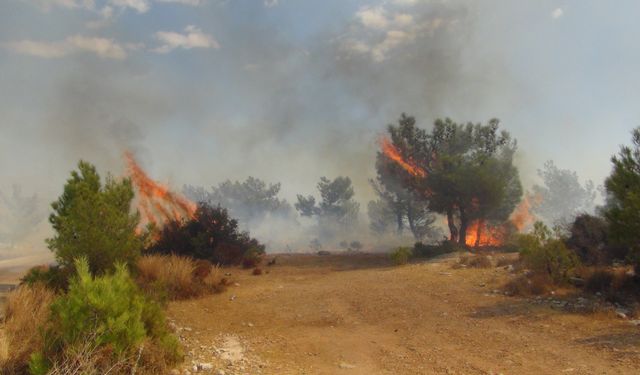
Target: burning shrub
27, 309
401, 255
547, 255
105, 318
211, 235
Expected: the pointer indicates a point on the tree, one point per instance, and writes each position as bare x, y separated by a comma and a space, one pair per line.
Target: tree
337, 206
407, 208
464, 171
622, 209
251, 201
381, 216
94, 220
561, 197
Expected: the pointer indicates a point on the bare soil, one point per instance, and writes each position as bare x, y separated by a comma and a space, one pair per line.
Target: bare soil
358, 314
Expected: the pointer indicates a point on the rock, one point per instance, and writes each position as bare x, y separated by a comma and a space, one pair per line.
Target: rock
194, 368
346, 366
233, 297
220, 372
510, 268
205, 366
621, 314
250, 324
175, 372
635, 322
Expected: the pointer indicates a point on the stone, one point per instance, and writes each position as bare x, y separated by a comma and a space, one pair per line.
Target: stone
205, 366
346, 366
635, 322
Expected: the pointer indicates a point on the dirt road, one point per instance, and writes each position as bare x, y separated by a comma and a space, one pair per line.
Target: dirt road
359, 315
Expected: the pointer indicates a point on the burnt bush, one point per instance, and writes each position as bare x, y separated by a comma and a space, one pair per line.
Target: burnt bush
211, 235
429, 251
589, 238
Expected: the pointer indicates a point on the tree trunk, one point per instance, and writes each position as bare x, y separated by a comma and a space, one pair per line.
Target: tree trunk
412, 224
464, 222
479, 232
452, 226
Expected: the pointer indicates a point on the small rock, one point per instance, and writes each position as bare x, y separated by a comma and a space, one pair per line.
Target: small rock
250, 324
236, 284
635, 322
194, 368
344, 365
621, 314
205, 366
220, 372
175, 372
233, 297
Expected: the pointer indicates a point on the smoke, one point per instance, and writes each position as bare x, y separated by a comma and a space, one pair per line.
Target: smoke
271, 102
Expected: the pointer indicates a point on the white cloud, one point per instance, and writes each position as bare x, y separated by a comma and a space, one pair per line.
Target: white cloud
405, 2
192, 37
374, 18
270, 3
102, 47
69, 4
141, 6
183, 2
557, 13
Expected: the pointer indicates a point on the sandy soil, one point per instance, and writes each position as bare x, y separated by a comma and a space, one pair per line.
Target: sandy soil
358, 315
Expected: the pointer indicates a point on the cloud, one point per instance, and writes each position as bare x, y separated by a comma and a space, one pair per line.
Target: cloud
102, 47
557, 13
270, 3
141, 6
183, 2
375, 18
193, 37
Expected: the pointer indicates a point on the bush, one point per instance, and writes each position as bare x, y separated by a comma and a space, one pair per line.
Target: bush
93, 221
401, 255
211, 235
589, 239
27, 309
430, 251
599, 281
475, 261
53, 276
544, 254
528, 285
109, 316
175, 277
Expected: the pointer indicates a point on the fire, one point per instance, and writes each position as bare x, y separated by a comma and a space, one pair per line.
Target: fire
392, 152
480, 233
156, 203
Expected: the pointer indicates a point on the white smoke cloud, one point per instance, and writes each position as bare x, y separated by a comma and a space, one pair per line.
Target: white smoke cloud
102, 47
192, 37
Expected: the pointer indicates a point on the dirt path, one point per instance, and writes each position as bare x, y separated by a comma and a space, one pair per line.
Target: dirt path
357, 315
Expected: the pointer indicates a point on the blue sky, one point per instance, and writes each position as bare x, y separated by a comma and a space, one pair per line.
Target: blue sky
205, 90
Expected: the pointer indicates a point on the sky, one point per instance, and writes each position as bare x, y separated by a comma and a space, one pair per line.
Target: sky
291, 90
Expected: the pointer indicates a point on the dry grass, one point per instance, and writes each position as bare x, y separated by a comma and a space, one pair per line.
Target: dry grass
532, 285
178, 277
474, 261
27, 310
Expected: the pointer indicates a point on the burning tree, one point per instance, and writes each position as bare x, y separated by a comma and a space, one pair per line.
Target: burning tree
397, 202
463, 171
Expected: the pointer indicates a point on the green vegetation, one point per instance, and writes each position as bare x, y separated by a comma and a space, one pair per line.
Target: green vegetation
93, 220
401, 255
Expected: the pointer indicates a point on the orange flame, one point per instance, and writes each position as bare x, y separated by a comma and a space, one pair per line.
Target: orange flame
156, 203
480, 233
392, 152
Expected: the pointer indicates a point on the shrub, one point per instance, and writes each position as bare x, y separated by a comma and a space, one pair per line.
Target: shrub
27, 309
211, 235
356, 245
257, 272
589, 239
93, 221
107, 314
544, 254
430, 251
176, 277
53, 276
527, 285
599, 281
475, 261
401, 255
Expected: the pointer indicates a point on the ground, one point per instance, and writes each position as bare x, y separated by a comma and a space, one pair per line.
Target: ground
358, 314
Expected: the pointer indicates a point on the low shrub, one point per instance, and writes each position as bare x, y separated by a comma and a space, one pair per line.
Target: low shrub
529, 285
27, 309
53, 276
106, 318
257, 271
211, 235
429, 251
475, 261
542, 253
599, 281
401, 255
175, 277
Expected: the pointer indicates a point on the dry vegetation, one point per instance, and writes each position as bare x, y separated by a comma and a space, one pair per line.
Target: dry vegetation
178, 277
27, 310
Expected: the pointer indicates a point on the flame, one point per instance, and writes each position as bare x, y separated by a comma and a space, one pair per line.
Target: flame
156, 203
479, 233
392, 152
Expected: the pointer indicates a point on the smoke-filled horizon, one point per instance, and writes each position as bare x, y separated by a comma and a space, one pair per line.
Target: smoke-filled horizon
202, 91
